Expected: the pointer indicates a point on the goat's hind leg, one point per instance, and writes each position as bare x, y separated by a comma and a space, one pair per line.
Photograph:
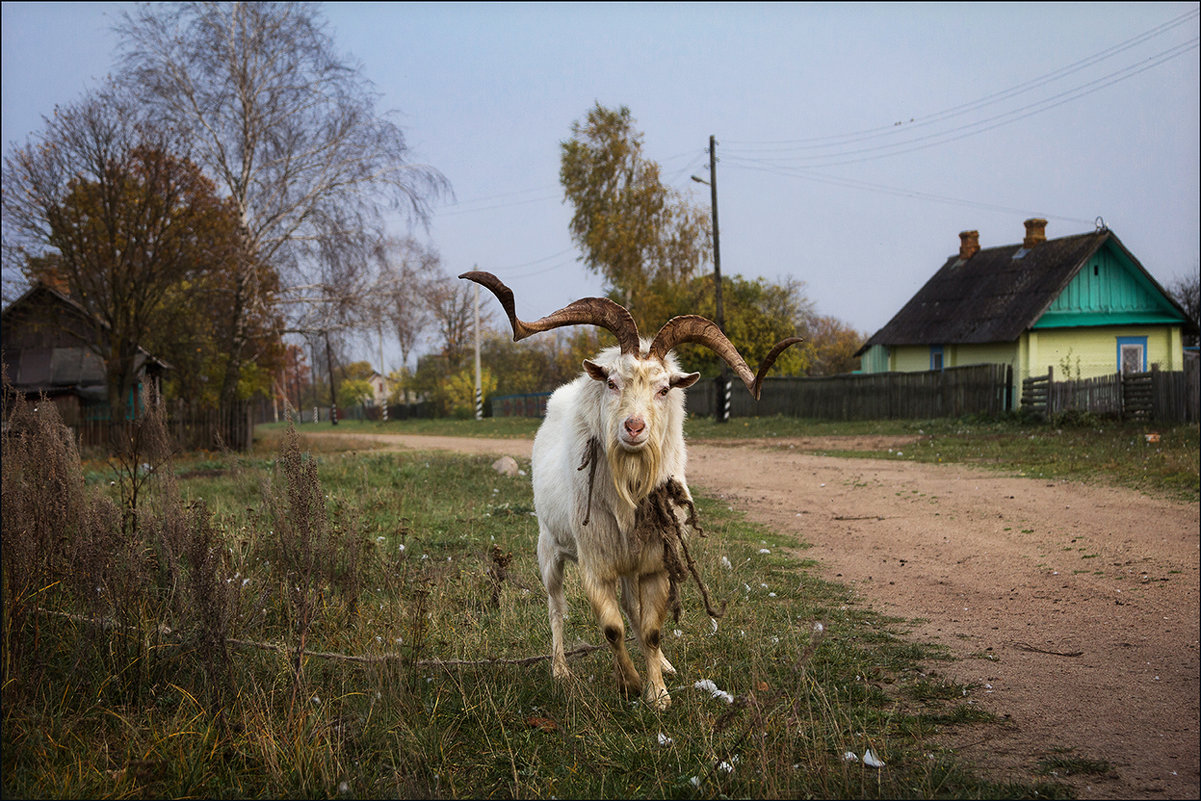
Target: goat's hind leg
551, 564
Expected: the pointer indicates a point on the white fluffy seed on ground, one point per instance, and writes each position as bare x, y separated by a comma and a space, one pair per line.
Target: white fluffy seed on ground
708, 686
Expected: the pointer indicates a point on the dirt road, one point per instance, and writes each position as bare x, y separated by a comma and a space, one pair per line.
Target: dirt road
1073, 610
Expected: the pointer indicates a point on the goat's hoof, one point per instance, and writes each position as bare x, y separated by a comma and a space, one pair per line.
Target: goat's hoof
629, 687
658, 699
666, 666
560, 671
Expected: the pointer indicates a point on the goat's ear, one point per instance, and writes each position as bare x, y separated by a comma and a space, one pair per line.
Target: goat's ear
595, 370
684, 381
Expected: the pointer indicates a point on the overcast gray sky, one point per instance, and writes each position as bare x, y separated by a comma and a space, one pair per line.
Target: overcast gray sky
855, 142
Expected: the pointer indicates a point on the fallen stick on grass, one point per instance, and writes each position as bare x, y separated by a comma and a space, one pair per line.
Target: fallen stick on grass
166, 631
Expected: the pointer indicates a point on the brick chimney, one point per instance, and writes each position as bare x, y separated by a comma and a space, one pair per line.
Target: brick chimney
969, 244
1036, 232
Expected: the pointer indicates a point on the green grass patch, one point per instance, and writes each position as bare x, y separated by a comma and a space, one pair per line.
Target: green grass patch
497, 427
1064, 763
204, 662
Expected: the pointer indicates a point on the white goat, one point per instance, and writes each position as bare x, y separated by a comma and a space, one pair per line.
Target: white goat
612, 437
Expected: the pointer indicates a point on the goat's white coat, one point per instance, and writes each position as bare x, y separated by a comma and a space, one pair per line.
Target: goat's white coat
601, 404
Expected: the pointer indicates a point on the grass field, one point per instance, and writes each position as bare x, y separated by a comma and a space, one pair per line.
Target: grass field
1093, 450
300, 622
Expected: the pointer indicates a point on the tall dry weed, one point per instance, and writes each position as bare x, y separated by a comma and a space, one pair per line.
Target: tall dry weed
130, 576
41, 505
313, 559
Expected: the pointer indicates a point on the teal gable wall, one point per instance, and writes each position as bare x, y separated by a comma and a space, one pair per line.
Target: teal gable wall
1108, 290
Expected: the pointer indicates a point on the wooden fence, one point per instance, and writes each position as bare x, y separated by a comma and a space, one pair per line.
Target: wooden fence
230, 428
530, 404
981, 389
1160, 395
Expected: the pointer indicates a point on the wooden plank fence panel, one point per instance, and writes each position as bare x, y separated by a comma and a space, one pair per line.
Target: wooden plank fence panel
530, 404
228, 428
955, 392
1161, 395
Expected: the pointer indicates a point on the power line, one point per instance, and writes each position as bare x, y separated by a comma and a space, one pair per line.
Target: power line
465, 208
988, 124
838, 140
797, 172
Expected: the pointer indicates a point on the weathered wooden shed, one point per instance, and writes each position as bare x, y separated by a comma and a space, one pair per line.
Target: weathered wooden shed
47, 344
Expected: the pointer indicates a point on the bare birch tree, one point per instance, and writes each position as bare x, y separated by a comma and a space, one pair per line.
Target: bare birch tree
404, 267
451, 305
284, 125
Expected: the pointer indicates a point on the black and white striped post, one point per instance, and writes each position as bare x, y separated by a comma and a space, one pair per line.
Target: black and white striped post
722, 398
479, 394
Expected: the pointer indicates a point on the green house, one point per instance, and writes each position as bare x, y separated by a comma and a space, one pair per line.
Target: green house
1082, 305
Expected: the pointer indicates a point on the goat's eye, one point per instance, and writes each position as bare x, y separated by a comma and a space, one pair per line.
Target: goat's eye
663, 392
612, 384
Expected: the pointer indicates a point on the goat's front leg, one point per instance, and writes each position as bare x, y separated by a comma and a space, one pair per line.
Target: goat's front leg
602, 594
653, 591
632, 604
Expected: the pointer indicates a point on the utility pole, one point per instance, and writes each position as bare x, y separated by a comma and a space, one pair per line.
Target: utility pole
479, 395
379, 329
333, 395
721, 314
722, 410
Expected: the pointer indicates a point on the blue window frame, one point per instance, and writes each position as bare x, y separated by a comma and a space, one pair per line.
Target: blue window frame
1132, 354
936, 357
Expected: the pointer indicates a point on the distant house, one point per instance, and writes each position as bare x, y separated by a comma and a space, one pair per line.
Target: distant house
379, 389
1081, 304
45, 340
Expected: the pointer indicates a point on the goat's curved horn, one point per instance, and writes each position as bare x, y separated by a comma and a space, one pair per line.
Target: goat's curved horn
703, 331
585, 311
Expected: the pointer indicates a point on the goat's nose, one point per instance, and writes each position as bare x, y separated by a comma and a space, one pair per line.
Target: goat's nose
634, 426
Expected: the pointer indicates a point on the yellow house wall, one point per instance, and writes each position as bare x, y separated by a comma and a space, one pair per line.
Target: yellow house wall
1072, 352
1086, 352
1091, 352
914, 358
991, 353
909, 358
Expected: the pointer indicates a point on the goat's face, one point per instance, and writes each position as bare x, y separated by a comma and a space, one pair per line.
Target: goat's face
641, 398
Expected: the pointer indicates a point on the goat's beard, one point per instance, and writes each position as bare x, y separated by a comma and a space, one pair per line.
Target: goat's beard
635, 473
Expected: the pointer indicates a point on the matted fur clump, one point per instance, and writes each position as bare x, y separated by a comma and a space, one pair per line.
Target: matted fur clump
658, 518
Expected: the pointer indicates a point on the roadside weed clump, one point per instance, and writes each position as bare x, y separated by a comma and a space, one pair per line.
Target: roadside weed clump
367, 625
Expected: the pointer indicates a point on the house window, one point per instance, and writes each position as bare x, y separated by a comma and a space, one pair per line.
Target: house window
1132, 354
936, 357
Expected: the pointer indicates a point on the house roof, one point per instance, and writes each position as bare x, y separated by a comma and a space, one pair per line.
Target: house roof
996, 294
